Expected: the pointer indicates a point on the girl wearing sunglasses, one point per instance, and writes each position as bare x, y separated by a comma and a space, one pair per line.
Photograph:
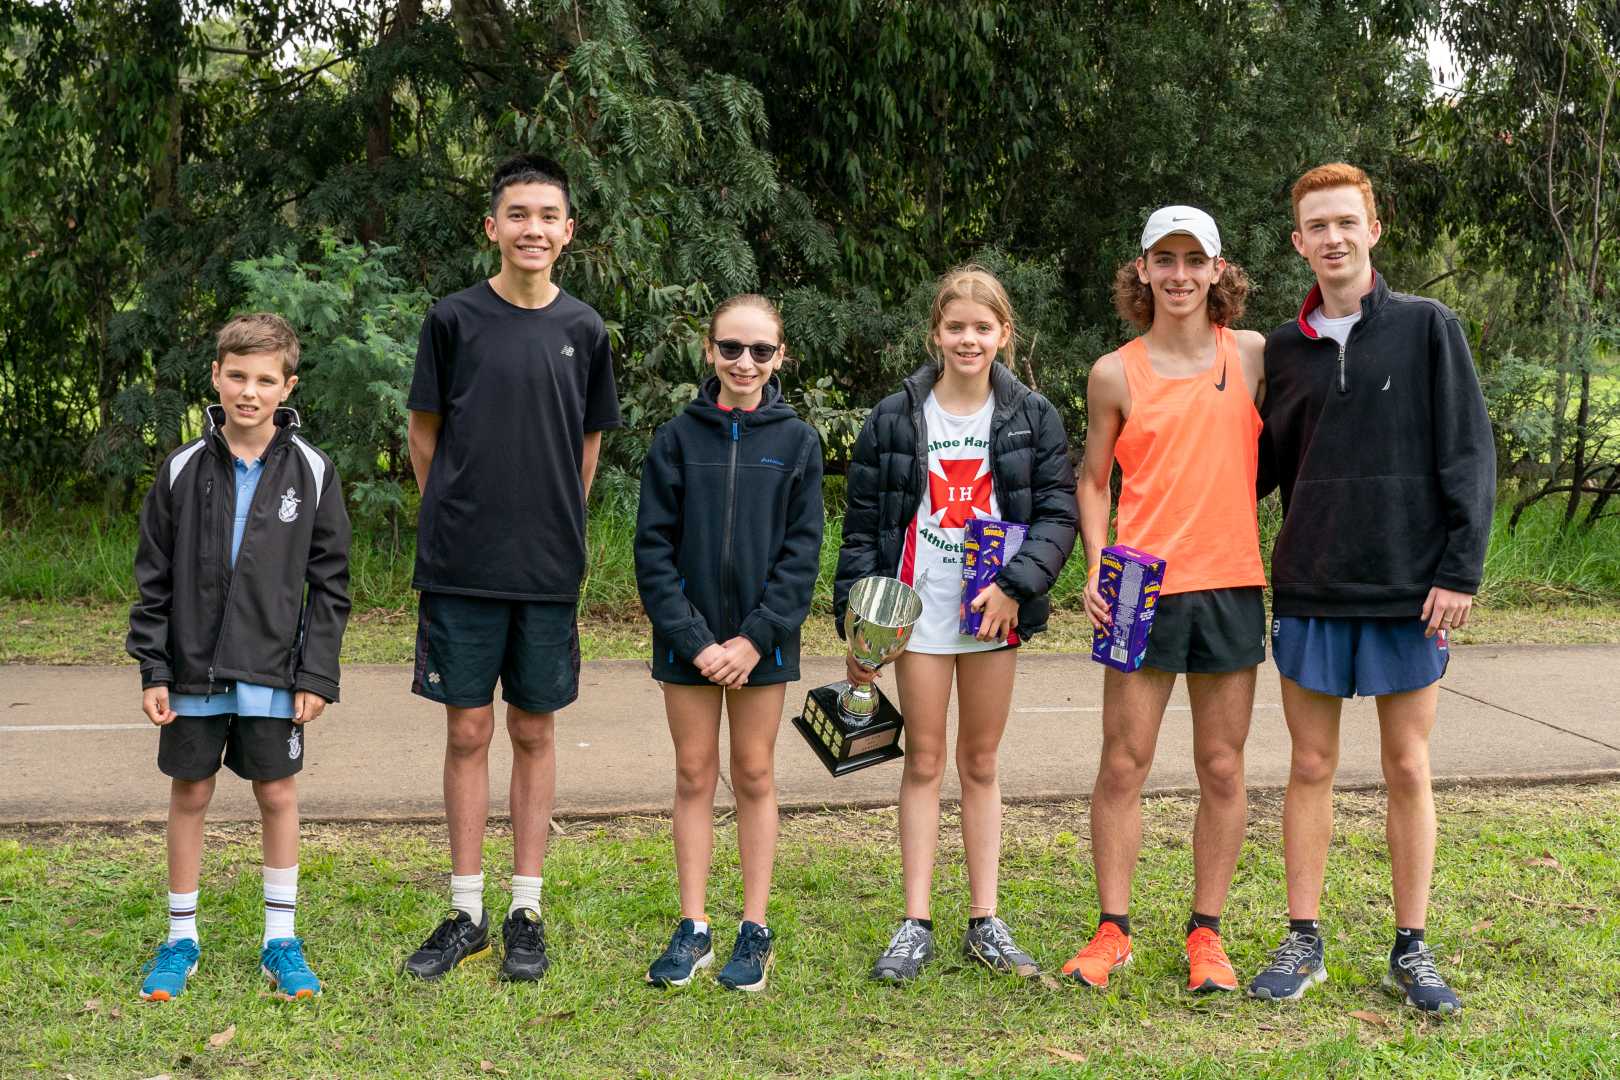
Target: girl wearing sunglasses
728, 543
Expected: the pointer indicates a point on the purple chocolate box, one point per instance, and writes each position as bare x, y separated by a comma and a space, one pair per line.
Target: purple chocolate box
1130, 581
988, 544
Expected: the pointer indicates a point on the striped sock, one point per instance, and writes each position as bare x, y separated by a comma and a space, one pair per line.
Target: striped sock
280, 901
183, 915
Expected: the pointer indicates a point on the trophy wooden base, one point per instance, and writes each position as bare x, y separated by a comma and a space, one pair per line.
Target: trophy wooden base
844, 747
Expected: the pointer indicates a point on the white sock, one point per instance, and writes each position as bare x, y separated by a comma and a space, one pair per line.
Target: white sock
183, 915
700, 926
525, 894
467, 894
280, 901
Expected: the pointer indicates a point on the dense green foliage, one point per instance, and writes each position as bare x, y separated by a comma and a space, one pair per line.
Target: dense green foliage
164, 164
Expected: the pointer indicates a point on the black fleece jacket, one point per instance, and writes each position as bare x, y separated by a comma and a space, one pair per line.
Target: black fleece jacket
277, 617
1384, 454
728, 533
1029, 466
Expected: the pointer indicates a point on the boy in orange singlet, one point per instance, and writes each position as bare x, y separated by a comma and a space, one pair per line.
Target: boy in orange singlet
1176, 407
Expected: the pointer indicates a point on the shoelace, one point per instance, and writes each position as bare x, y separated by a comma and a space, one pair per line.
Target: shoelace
1207, 950
287, 956
999, 936
1419, 963
1104, 944
907, 941
686, 944
527, 937
444, 933
1286, 957
170, 960
749, 946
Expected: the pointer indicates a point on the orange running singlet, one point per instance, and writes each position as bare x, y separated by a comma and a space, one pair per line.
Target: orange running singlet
1189, 451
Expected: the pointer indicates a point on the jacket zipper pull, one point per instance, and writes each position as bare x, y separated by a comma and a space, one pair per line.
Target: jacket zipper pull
210, 685
733, 428
1343, 388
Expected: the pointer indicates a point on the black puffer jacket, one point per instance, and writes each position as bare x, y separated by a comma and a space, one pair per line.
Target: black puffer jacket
1029, 466
728, 534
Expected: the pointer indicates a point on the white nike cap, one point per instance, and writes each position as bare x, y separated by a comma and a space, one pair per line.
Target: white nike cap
1169, 220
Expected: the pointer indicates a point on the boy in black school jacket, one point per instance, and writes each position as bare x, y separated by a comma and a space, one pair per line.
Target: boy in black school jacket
728, 535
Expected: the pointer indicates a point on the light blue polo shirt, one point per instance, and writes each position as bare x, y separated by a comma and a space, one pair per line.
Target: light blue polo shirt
242, 698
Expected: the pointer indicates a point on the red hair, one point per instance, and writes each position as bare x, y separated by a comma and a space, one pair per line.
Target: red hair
1337, 174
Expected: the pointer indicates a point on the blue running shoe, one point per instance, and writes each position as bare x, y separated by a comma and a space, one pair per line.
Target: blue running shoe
1296, 965
1412, 978
166, 973
750, 959
688, 951
283, 961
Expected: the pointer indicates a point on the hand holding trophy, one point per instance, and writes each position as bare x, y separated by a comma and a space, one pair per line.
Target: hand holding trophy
851, 727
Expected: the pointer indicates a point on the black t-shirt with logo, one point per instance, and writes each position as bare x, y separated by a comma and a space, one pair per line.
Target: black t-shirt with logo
504, 510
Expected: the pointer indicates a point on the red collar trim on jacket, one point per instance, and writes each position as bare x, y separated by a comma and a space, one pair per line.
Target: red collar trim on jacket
1313, 300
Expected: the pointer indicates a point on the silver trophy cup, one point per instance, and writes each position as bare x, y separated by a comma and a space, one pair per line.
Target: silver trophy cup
882, 611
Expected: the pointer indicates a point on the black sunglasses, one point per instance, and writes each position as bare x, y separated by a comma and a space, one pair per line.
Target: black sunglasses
761, 351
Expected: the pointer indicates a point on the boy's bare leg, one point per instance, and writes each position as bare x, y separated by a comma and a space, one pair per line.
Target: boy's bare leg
466, 783
1221, 709
278, 809
1405, 721
1313, 727
755, 715
1133, 709
534, 786
188, 808
984, 697
924, 685
694, 724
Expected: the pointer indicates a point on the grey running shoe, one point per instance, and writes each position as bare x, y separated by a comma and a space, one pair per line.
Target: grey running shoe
1296, 965
990, 943
911, 947
1412, 978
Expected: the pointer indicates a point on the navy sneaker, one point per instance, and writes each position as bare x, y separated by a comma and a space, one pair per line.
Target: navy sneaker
688, 951
911, 947
990, 943
1413, 978
523, 946
750, 959
1296, 965
456, 939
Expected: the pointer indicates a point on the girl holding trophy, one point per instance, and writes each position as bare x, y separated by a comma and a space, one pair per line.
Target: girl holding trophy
962, 439
728, 543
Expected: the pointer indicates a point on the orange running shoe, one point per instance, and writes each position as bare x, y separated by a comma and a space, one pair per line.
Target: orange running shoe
1108, 951
1207, 966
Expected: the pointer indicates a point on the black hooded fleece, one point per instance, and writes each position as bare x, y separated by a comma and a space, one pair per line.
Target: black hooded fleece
728, 534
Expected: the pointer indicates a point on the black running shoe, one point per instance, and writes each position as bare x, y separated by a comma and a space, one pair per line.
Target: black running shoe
523, 941
991, 944
456, 939
1412, 978
1296, 965
911, 947
688, 951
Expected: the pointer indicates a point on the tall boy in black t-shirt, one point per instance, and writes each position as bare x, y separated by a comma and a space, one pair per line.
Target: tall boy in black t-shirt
513, 388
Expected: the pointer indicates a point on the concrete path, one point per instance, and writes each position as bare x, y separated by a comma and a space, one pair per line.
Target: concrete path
74, 746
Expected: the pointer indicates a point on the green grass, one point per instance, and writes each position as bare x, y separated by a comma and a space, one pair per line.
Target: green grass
1524, 922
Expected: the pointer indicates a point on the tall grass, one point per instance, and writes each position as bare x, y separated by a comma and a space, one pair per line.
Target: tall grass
77, 555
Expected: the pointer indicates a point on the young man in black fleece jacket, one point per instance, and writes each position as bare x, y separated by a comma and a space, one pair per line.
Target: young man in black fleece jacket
1376, 431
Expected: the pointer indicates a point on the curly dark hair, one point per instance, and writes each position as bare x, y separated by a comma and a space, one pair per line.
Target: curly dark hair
1134, 300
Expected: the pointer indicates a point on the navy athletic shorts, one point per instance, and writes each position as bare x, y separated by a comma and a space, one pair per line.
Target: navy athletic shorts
465, 643
1358, 657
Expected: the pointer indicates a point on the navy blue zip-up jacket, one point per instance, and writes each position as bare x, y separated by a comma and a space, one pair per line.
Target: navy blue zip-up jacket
276, 618
728, 534
1384, 454
1029, 466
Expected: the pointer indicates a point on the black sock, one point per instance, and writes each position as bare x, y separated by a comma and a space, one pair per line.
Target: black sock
1207, 922
978, 920
1121, 921
926, 924
1406, 939
1312, 927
